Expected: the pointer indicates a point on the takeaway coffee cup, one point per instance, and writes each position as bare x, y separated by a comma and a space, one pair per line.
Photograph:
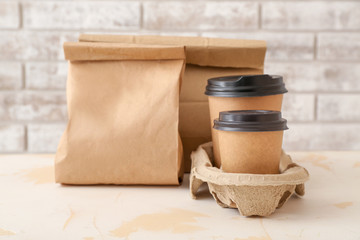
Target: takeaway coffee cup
246, 92
250, 140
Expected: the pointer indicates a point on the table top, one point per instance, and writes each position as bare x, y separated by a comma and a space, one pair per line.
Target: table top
32, 206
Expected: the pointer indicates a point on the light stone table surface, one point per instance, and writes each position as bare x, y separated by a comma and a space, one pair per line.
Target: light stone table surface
32, 206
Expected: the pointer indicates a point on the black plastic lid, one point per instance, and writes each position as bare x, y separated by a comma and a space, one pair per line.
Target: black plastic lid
250, 121
245, 86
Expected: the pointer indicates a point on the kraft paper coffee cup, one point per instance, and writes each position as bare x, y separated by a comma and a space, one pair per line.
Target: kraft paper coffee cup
246, 92
250, 140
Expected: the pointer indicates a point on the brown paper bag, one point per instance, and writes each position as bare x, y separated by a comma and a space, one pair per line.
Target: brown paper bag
123, 108
206, 58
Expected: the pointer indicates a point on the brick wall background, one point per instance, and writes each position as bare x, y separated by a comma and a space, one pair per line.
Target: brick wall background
315, 45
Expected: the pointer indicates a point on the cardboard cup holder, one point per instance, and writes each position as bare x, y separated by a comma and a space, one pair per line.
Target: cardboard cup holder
251, 194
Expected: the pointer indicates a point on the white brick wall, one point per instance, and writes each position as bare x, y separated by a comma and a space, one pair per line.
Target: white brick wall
9, 15
33, 45
339, 46
80, 15
33, 106
44, 137
12, 138
299, 107
315, 45
203, 15
10, 75
46, 75
339, 107
318, 76
319, 136
281, 46
323, 15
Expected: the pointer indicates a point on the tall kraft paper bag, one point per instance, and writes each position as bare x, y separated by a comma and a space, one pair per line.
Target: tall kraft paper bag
123, 108
205, 58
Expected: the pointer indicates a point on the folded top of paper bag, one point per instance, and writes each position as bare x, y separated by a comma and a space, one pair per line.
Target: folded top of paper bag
80, 51
200, 51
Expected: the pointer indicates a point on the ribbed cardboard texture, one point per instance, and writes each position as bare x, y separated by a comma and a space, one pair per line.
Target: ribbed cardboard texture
206, 58
123, 109
220, 104
251, 194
